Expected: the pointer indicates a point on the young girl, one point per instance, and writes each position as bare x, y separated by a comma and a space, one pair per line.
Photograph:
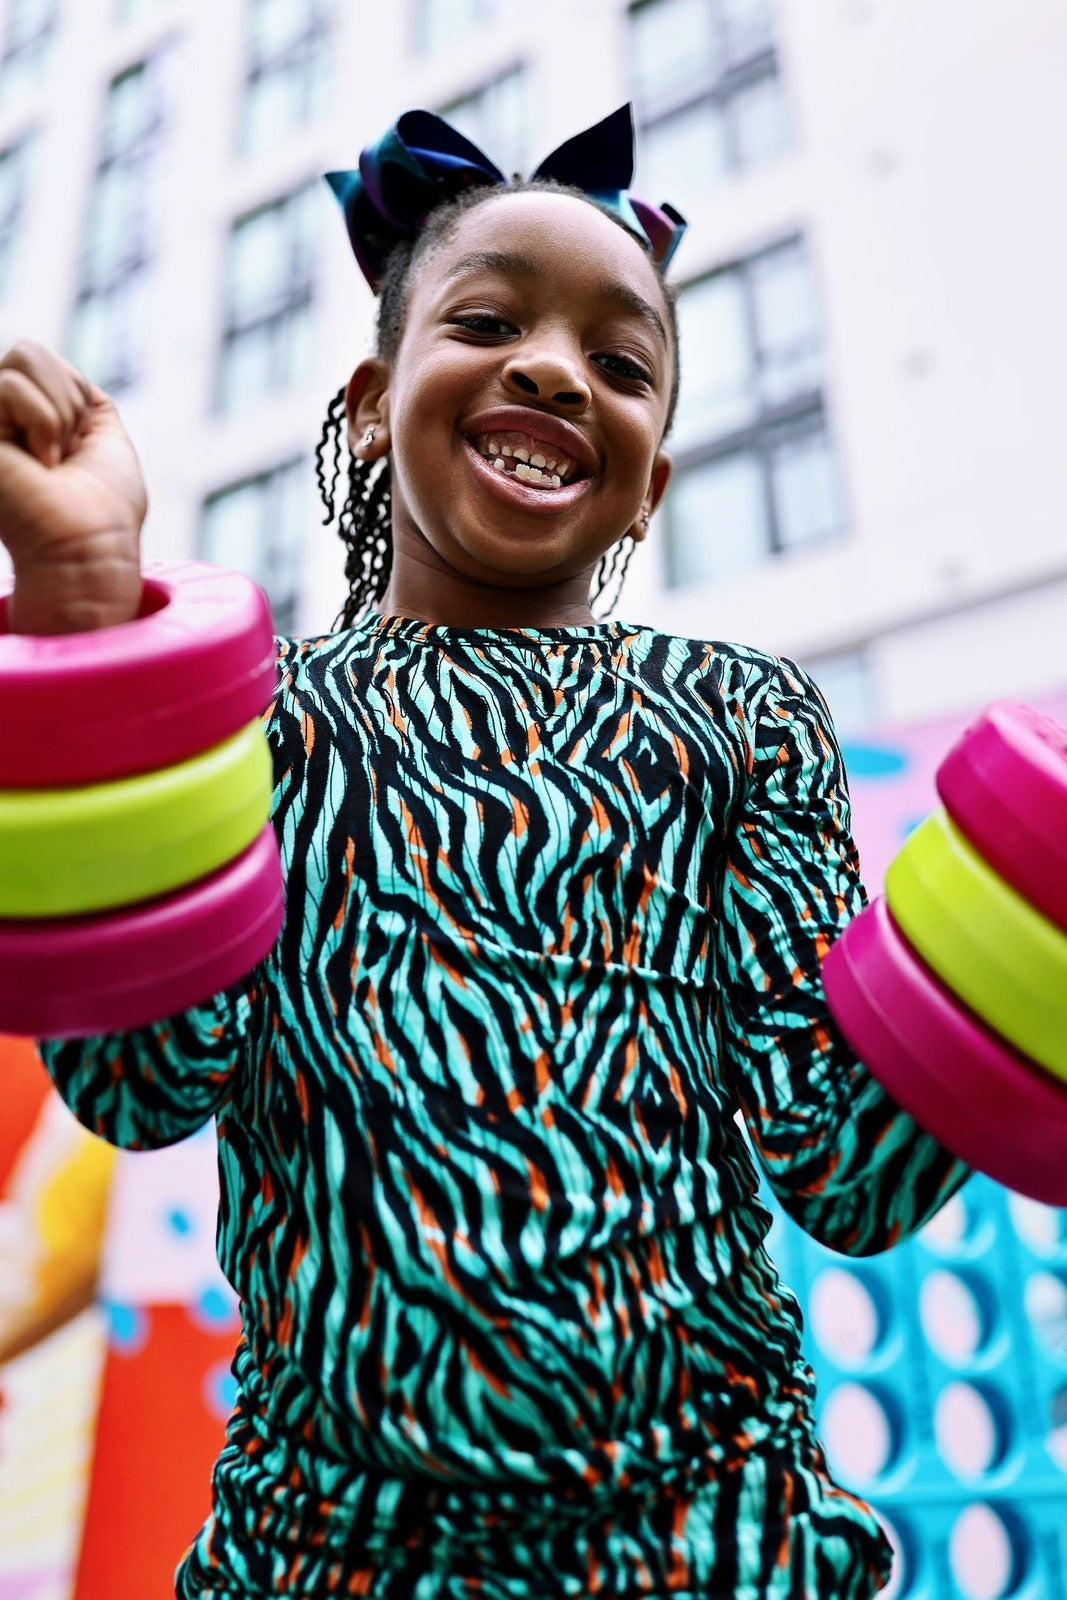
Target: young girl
558, 890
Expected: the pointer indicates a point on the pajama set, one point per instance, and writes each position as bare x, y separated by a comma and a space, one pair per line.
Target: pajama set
556, 904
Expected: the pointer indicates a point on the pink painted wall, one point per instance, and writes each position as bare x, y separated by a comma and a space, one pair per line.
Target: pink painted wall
891, 773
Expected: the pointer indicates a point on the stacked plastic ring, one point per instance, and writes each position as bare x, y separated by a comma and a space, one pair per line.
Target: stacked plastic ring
139, 873
953, 988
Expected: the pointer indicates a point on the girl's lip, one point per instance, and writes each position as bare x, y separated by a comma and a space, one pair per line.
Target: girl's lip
525, 496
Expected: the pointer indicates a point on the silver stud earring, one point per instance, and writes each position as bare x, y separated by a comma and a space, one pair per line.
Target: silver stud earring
368, 439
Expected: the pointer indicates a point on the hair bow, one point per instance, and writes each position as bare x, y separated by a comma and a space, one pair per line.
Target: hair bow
423, 161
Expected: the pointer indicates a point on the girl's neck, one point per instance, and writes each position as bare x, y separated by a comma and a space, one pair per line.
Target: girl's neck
429, 597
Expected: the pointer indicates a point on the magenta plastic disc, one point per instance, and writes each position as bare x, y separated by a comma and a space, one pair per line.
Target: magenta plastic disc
983, 1101
196, 665
1004, 784
87, 975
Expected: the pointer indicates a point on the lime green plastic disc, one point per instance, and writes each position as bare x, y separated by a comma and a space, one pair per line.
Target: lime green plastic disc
1003, 959
69, 851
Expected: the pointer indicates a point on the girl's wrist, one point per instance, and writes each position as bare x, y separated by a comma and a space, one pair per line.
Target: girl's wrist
96, 590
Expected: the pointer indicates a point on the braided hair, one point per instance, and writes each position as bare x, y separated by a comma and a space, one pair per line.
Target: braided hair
364, 519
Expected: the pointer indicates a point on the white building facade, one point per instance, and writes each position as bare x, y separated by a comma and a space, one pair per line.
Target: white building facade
870, 474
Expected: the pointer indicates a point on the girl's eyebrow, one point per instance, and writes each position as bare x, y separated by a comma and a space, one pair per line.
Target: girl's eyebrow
511, 264
503, 261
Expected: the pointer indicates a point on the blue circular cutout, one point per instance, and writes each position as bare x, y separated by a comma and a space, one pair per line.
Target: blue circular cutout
180, 1222
220, 1390
215, 1310
864, 760
127, 1327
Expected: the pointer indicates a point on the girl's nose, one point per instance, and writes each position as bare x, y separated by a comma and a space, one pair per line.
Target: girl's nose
548, 376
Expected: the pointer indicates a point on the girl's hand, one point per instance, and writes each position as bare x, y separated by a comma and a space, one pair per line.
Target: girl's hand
72, 498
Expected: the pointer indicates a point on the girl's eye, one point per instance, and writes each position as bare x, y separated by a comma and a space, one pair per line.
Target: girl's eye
623, 367
484, 323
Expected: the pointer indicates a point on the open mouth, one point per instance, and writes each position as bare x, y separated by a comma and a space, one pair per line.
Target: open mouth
517, 455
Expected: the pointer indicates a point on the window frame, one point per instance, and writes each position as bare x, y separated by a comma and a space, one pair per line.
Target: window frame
15, 151
300, 297
721, 89
33, 48
801, 414
518, 70
139, 157
265, 481
857, 660
425, 42
302, 54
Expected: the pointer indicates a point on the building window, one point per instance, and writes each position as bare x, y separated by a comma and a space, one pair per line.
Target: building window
709, 98
847, 684
439, 23
110, 316
288, 61
256, 527
755, 473
12, 193
136, 10
27, 37
267, 341
496, 118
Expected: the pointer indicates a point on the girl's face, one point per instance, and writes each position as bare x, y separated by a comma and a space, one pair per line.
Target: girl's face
523, 411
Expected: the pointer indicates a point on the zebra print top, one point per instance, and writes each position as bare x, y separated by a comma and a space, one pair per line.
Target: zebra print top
556, 903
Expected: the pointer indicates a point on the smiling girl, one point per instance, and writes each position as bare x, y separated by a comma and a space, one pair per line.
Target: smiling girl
558, 889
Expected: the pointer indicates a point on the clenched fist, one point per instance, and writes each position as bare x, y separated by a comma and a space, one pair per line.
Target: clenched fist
72, 498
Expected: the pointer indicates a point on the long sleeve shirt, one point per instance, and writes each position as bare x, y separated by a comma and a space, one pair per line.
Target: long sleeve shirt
557, 900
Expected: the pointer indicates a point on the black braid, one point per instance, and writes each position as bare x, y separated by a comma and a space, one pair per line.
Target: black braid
613, 566
364, 522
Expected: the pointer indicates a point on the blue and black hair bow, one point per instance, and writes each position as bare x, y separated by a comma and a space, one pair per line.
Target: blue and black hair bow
422, 162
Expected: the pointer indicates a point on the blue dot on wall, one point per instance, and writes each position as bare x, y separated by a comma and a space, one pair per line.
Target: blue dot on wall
127, 1327
180, 1222
874, 760
215, 1310
220, 1390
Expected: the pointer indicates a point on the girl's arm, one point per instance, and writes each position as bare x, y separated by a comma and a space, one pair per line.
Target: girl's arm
153, 1086
854, 1170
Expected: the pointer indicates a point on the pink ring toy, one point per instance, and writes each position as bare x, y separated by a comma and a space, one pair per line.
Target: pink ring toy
977, 1096
1005, 787
197, 664
87, 975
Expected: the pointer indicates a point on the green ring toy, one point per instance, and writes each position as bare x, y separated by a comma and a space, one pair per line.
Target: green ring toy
1003, 959
64, 852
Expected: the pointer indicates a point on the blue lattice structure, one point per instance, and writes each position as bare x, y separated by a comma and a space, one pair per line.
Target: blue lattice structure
942, 1373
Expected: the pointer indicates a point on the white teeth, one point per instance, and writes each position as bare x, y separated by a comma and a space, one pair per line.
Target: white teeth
529, 462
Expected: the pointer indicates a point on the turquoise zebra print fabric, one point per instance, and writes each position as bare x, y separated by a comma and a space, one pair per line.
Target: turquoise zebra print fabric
556, 903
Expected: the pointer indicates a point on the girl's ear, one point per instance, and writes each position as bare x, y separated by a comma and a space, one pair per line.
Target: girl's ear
367, 405
659, 478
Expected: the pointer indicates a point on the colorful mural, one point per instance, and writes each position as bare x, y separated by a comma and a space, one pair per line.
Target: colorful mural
116, 1333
